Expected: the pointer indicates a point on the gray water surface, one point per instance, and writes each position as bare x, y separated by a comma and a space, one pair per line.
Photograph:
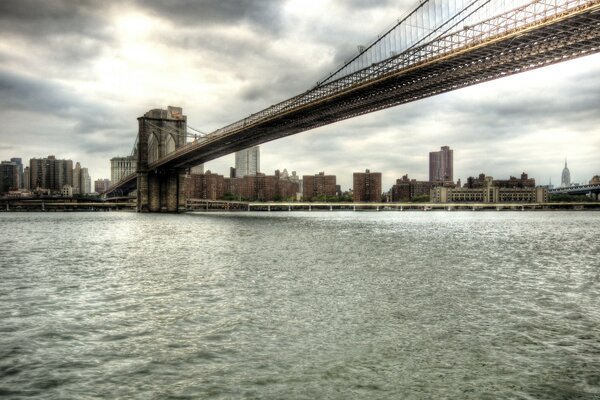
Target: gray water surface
298, 305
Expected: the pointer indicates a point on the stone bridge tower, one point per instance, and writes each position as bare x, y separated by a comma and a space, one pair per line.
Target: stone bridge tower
160, 132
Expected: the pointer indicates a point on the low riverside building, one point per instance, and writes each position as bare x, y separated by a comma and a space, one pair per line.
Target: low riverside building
205, 186
512, 182
407, 189
367, 187
259, 187
489, 193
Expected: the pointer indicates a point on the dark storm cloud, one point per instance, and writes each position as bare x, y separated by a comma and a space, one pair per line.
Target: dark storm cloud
261, 13
56, 34
39, 19
38, 96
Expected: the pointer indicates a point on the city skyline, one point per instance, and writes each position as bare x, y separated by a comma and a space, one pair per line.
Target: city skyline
81, 103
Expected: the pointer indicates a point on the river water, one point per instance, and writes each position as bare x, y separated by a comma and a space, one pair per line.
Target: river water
299, 305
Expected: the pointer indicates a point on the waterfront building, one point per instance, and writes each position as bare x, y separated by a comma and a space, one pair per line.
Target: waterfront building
318, 185
101, 185
19, 162
595, 180
489, 193
565, 180
205, 186
247, 162
50, 173
121, 167
441, 165
9, 176
366, 186
259, 187
263, 187
512, 182
407, 189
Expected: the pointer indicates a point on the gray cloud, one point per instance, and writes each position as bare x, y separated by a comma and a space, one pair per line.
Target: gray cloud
39, 96
263, 14
54, 44
53, 16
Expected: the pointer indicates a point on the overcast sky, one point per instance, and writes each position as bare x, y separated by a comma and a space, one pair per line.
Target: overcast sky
75, 75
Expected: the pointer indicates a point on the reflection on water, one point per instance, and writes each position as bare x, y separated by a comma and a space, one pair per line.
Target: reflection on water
300, 305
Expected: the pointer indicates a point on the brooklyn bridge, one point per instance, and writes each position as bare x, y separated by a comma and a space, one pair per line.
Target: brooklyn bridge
438, 46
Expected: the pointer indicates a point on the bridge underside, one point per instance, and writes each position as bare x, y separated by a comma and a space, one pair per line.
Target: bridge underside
524, 50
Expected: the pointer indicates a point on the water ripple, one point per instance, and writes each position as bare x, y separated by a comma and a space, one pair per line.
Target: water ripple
338, 305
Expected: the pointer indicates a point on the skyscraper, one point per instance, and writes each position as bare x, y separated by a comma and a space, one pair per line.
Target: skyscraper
565, 180
247, 162
19, 163
82, 184
77, 178
9, 176
441, 165
120, 167
85, 182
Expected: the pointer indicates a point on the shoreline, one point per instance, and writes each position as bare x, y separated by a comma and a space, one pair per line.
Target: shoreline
200, 206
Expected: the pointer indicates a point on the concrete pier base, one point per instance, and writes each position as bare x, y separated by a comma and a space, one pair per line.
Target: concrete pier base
161, 191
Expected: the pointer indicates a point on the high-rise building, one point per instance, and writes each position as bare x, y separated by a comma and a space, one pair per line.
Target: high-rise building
247, 162
26, 179
82, 184
85, 182
441, 165
367, 186
565, 180
9, 176
50, 173
120, 167
77, 179
19, 163
318, 185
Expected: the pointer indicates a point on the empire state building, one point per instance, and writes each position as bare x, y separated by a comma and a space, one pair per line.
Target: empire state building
565, 180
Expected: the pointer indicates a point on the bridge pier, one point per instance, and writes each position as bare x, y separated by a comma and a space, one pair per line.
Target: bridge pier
159, 133
161, 191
